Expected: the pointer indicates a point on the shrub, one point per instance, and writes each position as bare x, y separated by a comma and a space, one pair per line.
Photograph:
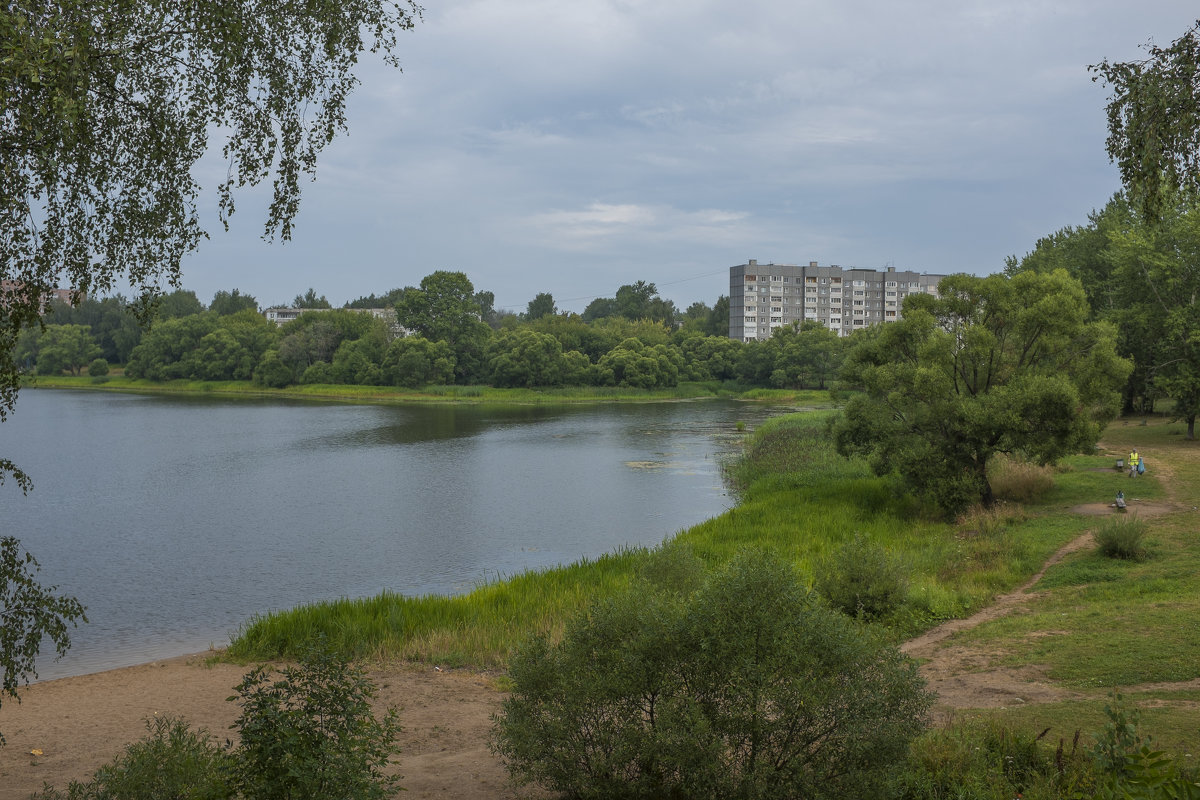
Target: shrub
172, 762
863, 580
98, 368
311, 735
1122, 538
744, 687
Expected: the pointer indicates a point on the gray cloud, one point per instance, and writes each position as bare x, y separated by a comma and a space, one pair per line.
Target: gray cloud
574, 147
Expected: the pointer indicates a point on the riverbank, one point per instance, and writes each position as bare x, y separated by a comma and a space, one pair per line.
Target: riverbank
1069, 624
567, 395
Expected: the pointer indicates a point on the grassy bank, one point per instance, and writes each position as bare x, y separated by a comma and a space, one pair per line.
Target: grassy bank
435, 394
797, 497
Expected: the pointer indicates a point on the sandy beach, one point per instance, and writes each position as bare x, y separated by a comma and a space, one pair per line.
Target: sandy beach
80, 723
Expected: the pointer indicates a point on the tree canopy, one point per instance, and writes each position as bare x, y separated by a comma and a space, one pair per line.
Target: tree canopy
993, 365
105, 108
1153, 119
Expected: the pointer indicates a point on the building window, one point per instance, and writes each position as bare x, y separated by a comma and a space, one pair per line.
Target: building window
749, 278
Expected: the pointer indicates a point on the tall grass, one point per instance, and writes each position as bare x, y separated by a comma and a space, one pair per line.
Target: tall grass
391, 394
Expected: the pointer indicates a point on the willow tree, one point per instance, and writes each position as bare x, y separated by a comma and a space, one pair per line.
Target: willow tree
106, 107
992, 365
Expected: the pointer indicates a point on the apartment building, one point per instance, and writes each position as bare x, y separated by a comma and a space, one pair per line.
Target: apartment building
763, 297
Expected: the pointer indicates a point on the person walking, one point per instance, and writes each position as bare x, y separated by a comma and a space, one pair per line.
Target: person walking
1134, 459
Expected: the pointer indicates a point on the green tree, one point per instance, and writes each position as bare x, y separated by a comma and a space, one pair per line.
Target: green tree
311, 735
633, 300
29, 612
524, 357
1156, 275
599, 308
179, 303
415, 361
744, 686
635, 364
804, 356
68, 347
224, 303
440, 309
1153, 117
540, 306
114, 328
718, 319
310, 300
710, 357
445, 308
272, 372
992, 365
166, 350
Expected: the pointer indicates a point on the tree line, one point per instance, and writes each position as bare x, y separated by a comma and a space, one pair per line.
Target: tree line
445, 332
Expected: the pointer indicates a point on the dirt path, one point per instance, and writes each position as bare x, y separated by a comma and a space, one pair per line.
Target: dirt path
965, 676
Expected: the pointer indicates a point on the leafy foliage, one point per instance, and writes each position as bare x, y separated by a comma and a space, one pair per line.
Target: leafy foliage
311, 735
992, 365
744, 687
863, 580
172, 762
1153, 117
29, 612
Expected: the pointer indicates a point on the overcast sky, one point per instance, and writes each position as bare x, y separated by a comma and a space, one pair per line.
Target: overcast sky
572, 146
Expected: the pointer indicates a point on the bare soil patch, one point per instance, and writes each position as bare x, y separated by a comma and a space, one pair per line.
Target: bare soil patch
80, 723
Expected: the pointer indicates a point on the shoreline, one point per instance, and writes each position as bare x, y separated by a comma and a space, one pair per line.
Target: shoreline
440, 395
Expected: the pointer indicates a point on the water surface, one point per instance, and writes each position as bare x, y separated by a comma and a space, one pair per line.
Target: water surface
174, 520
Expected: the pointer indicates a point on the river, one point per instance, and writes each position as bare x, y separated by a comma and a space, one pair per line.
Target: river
176, 519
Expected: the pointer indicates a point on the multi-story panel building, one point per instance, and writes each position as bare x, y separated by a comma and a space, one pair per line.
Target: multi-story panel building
763, 297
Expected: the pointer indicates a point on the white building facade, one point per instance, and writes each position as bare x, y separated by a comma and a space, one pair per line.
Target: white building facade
763, 297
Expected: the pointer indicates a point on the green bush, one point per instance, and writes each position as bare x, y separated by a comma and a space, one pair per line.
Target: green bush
863, 580
172, 762
1122, 538
311, 735
98, 368
744, 687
